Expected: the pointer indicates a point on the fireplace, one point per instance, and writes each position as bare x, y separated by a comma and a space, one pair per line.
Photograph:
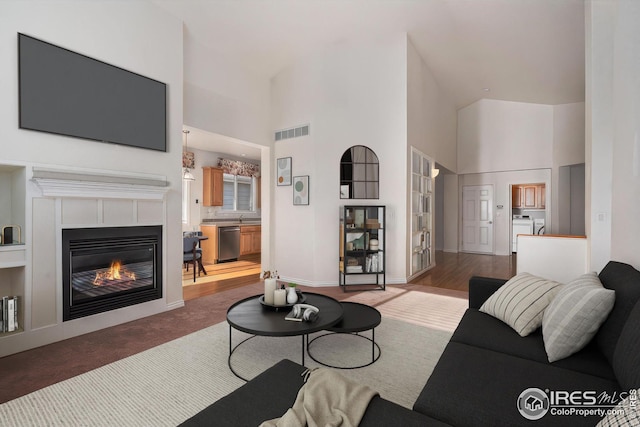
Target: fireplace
108, 268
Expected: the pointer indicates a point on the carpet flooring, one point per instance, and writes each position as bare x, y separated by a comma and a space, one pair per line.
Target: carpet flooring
168, 383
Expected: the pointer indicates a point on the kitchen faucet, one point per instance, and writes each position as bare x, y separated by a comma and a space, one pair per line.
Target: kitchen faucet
241, 218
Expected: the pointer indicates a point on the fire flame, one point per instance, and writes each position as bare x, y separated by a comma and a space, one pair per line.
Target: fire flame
115, 272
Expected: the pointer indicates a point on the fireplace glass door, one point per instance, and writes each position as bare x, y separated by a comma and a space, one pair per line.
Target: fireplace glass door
109, 268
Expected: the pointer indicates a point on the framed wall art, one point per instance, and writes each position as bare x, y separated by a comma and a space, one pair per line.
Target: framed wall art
283, 171
301, 190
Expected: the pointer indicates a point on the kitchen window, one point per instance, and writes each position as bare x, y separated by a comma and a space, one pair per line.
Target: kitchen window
238, 193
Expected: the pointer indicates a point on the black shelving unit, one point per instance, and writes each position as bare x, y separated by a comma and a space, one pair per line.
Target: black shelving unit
361, 227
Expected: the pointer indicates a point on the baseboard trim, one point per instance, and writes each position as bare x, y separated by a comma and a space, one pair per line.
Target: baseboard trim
175, 304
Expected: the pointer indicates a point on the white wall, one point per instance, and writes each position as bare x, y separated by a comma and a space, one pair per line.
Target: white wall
613, 131
502, 135
450, 220
431, 114
568, 149
137, 36
224, 98
352, 93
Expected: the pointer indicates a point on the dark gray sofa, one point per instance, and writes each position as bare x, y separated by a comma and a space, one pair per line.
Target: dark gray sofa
482, 371
487, 365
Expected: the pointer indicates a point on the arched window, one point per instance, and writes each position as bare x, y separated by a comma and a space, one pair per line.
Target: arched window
359, 173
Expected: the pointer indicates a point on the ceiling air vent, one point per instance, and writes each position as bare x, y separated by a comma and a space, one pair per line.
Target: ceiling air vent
292, 132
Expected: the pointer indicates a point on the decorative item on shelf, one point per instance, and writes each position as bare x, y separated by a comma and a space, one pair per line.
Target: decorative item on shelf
270, 284
292, 295
372, 223
9, 233
188, 160
374, 245
280, 297
9, 314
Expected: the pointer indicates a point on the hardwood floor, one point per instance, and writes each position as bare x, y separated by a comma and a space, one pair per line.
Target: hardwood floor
452, 271
221, 277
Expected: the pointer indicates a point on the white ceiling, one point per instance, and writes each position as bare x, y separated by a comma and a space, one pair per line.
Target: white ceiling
521, 50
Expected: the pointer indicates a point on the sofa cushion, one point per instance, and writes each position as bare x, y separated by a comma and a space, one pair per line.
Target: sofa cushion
521, 302
265, 397
472, 386
574, 316
481, 330
625, 280
626, 360
271, 393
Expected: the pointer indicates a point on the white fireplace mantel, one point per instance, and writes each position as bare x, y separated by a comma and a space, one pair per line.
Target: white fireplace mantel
55, 183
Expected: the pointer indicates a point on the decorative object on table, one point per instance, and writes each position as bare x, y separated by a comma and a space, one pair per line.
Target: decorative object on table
270, 284
280, 297
301, 299
292, 296
283, 171
301, 190
303, 313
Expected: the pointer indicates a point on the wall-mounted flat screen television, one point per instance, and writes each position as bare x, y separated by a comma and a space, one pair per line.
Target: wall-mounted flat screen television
67, 93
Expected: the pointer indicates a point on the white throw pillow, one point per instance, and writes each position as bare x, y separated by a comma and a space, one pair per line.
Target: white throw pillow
520, 303
575, 315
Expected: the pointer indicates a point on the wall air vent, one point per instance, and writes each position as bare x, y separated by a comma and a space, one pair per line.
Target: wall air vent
292, 132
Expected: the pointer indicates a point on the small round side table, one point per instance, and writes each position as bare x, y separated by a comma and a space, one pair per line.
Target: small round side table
356, 318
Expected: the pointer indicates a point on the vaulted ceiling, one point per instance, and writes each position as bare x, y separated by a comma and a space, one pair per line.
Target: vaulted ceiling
515, 50
520, 50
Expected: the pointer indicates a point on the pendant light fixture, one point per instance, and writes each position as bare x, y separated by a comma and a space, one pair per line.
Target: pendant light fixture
186, 174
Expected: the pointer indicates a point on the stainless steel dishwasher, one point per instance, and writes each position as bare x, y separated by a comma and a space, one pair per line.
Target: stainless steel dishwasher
228, 243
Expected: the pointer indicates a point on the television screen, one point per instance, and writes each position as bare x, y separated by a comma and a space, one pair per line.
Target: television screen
66, 93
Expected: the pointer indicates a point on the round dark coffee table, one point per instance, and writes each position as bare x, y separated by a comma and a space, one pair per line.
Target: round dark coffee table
357, 318
250, 316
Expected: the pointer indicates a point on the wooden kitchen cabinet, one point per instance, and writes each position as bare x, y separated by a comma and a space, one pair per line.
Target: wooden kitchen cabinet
528, 196
209, 246
516, 196
212, 186
250, 239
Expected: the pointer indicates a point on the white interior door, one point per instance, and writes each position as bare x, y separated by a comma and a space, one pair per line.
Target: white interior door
477, 218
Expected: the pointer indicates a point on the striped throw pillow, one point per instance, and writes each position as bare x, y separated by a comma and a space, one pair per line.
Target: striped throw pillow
575, 315
520, 303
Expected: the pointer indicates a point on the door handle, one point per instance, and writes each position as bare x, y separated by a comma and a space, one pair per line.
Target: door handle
490, 222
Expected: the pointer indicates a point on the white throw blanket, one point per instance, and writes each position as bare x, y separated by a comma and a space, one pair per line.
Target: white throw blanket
327, 399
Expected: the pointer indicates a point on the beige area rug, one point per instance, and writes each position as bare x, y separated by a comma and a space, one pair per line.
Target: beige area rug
165, 385
440, 309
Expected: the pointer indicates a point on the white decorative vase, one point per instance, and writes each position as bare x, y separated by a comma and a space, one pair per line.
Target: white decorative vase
269, 289
292, 296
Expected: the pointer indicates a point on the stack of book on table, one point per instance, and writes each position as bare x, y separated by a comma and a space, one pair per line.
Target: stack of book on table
9, 314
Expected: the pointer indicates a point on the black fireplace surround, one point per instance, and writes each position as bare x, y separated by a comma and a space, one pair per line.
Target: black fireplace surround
107, 268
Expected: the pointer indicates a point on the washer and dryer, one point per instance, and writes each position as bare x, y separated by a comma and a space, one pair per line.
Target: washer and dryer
538, 226
521, 224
